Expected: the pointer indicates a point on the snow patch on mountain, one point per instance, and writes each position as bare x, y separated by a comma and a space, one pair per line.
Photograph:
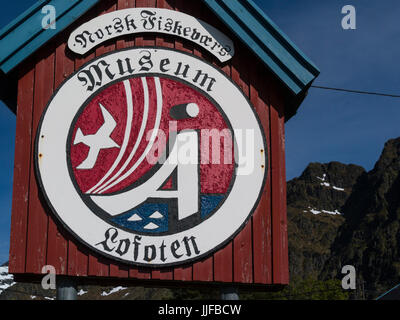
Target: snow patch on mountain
6, 279
113, 291
315, 211
327, 184
337, 188
82, 292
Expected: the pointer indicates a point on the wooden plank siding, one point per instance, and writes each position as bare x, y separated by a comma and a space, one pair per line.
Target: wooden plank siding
36, 251
261, 220
22, 170
278, 187
257, 255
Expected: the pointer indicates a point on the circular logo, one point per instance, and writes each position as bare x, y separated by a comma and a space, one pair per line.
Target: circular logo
151, 156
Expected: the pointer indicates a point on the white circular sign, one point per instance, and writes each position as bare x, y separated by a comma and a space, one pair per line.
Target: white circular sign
151, 157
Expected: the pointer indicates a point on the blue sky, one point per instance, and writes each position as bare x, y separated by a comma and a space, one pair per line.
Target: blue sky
329, 126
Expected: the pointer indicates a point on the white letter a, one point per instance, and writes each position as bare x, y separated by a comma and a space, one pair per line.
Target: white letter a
349, 20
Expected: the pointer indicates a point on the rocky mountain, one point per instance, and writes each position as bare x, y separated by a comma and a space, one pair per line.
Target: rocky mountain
370, 238
315, 202
367, 233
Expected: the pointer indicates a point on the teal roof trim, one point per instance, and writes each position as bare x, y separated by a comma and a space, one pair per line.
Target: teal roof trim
267, 41
25, 35
255, 29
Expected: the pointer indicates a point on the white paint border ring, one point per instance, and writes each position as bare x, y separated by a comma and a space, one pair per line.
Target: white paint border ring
51, 141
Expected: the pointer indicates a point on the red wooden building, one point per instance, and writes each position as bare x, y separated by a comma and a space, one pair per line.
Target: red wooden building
269, 70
